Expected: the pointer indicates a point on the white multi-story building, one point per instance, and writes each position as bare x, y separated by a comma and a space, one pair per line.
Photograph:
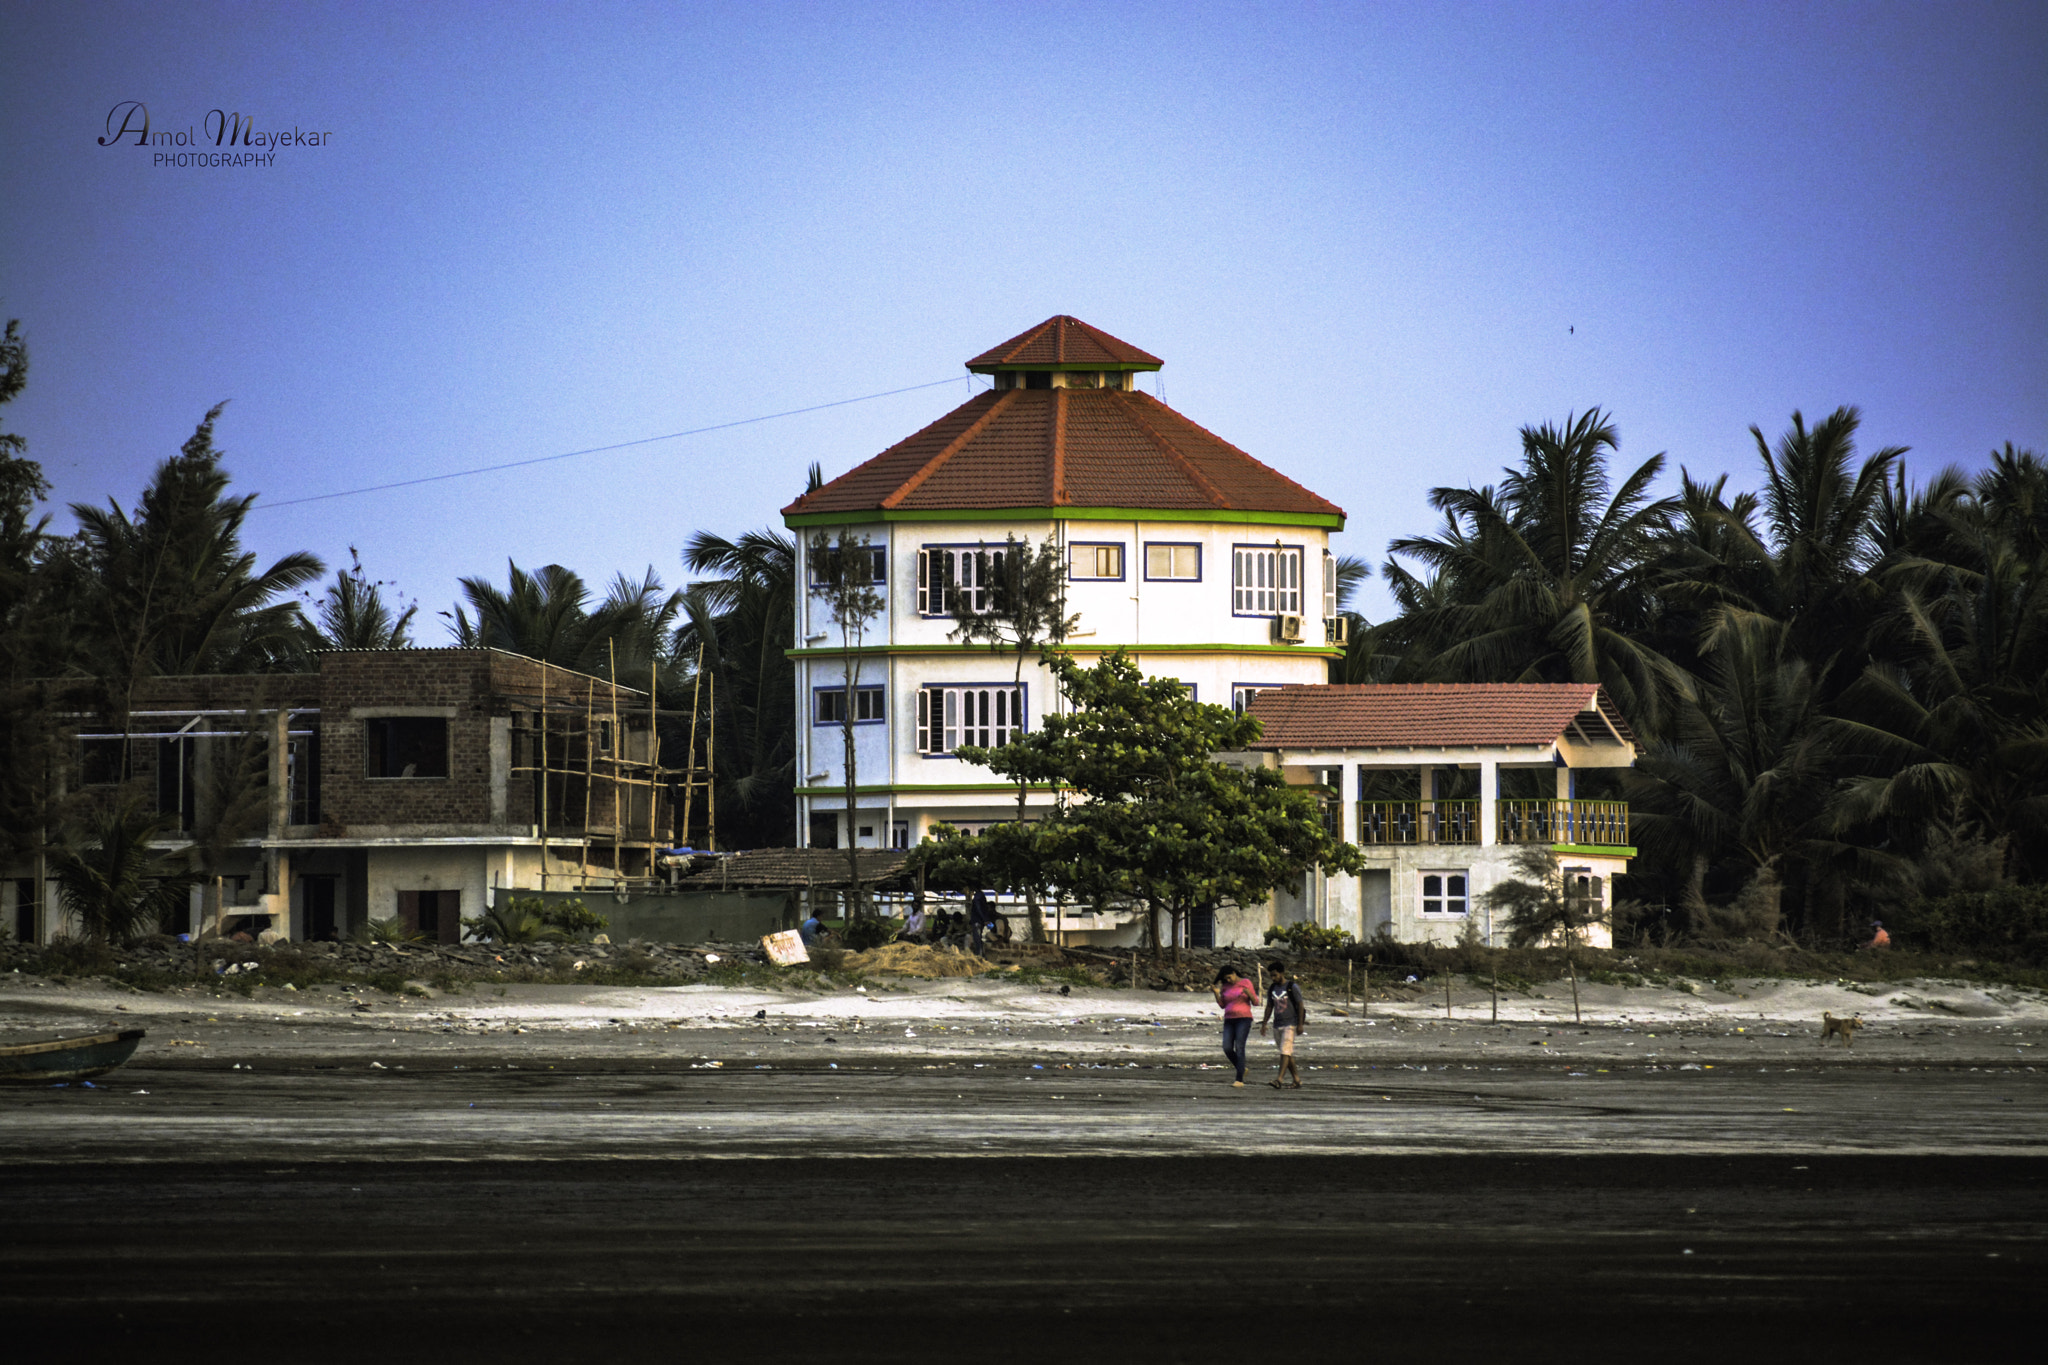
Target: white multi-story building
1440, 785
1206, 565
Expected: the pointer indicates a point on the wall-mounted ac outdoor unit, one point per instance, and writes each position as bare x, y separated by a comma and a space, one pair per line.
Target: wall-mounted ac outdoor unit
1337, 630
1287, 629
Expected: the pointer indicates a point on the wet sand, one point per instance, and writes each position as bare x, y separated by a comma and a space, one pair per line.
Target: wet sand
559, 1172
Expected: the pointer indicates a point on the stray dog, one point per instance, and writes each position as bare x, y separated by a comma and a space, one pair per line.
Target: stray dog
1830, 1026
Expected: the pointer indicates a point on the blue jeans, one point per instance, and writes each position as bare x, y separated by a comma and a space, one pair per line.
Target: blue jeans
1237, 1033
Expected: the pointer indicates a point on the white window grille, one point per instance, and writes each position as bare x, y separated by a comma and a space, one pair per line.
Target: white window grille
948, 717
1329, 586
951, 574
1443, 893
1265, 581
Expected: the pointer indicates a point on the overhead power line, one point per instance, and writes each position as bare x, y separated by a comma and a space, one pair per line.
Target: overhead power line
597, 450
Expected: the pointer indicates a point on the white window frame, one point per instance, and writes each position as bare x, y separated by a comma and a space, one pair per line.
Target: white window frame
1094, 553
948, 573
952, 714
1329, 586
1444, 900
1170, 549
1265, 580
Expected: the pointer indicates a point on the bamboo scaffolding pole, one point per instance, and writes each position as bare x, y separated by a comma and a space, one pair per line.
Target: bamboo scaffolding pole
653, 759
542, 717
612, 752
589, 776
690, 760
711, 767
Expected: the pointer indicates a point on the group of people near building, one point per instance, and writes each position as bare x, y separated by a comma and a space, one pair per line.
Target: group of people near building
981, 924
1286, 1016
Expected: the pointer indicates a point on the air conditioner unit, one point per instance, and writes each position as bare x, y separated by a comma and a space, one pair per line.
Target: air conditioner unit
1287, 629
1337, 630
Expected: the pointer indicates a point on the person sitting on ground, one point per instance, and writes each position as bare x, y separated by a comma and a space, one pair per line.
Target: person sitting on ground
810, 929
1878, 937
1288, 1016
914, 925
999, 931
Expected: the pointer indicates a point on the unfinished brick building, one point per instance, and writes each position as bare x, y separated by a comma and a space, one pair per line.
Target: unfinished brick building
391, 783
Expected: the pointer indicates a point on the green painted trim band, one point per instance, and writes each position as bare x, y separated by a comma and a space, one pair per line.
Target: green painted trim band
1596, 850
923, 788
1135, 651
1182, 514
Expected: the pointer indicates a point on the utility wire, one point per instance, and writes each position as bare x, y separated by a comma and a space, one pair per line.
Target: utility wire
597, 450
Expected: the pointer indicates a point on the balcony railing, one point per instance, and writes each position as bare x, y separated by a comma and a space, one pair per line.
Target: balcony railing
1418, 822
1598, 824
1602, 824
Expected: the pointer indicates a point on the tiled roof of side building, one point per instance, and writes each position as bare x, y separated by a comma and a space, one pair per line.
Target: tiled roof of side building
1426, 715
1063, 448
1065, 341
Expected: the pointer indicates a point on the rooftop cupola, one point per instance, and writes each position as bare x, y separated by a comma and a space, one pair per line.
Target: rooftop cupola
1063, 353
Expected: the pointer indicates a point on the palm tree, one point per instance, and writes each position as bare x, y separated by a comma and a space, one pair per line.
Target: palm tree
1742, 777
353, 614
170, 589
1809, 564
744, 620
546, 615
113, 882
1952, 720
1548, 577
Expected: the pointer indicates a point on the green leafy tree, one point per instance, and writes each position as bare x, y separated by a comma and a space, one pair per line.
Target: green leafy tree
1157, 822
36, 642
844, 582
1026, 606
1541, 905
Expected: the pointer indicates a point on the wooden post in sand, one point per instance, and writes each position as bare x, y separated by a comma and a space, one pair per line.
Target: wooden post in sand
1447, 993
1347, 983
1365, 990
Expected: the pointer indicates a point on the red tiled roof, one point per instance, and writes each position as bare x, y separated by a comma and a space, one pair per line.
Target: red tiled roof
1063, 448
1426, 715
1064, 342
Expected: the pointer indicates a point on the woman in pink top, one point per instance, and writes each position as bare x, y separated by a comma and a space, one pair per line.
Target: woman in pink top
1238, 997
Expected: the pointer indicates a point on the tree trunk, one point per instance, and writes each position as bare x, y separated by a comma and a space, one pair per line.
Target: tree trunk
1035, 915
1572, 971
1694, 897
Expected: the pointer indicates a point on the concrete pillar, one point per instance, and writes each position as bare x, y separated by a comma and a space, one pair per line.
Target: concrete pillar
1489, 797
1564, 784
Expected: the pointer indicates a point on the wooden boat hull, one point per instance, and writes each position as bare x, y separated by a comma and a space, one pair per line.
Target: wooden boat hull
76, 1058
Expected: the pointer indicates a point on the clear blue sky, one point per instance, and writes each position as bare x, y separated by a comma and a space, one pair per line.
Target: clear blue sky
1370, 241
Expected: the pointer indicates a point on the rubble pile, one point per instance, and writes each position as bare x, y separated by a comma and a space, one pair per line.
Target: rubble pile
917, 959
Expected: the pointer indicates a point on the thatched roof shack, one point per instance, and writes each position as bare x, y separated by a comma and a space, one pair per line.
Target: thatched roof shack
824, 868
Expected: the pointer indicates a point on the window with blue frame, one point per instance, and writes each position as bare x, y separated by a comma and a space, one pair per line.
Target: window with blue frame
828, 706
